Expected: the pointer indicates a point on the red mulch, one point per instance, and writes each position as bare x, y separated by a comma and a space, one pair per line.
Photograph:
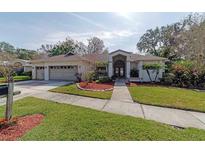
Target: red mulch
22, 125
96, 86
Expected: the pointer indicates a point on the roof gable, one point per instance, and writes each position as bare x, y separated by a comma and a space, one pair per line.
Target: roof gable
120, 51
69, 54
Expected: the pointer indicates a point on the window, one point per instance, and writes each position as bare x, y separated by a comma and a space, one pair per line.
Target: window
134, 73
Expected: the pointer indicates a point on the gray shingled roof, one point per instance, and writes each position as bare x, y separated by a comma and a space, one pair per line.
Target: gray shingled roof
61, 58
145, 57
95, 57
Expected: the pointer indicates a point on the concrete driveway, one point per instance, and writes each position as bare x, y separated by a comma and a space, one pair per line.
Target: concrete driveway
32, 87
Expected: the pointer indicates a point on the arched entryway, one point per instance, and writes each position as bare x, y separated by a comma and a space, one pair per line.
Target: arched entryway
119, 69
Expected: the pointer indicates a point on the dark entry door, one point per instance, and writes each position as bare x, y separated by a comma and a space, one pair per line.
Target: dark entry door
119, 69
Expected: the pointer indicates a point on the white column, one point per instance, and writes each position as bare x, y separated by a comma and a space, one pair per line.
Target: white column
140, 65
46, 72
128, 69
33, 72
110, 69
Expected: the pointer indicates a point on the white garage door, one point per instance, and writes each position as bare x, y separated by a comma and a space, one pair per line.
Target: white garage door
40, 73
63, 72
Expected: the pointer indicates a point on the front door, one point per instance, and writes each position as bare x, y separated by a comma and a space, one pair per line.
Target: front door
119, 69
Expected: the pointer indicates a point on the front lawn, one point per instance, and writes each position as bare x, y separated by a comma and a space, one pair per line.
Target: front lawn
169, 97
67, 122
73, 89
16, 78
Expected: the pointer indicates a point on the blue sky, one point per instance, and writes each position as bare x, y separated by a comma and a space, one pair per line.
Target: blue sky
118, 29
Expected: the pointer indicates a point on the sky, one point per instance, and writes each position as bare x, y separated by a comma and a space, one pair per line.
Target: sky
118, 30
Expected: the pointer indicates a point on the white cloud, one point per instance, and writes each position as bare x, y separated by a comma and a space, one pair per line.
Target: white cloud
88, 20
105, 35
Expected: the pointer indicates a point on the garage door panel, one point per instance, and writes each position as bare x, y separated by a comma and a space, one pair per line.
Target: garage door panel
63, 72
40, 73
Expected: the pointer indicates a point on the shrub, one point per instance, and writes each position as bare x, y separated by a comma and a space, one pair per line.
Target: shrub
26, 74
182, 71
14, 74
113, 77
185, 74
201, 85
89, 76
168, 79
104, 79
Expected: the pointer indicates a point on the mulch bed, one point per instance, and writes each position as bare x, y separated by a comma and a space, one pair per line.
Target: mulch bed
96, 86
22, 126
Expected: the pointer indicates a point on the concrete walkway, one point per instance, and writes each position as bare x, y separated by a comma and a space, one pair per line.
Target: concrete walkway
121, 103
121, 92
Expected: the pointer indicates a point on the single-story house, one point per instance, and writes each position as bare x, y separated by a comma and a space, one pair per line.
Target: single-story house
20, 65
23, 65
119, 63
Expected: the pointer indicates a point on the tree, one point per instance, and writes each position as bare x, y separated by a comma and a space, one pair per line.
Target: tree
154, 68
192, 44
160, 41
106, 51
95, 45
67, 46
64, 47
7, 70
26, 54
172, 41
46, 48
6, 47
150, 42
81, 48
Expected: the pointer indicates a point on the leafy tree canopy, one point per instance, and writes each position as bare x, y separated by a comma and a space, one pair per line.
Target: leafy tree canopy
6, 48
180, 40
95, 45
152, 66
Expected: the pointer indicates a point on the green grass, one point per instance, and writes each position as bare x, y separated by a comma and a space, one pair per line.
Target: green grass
169, 97
16, 78
67, 122
72, 89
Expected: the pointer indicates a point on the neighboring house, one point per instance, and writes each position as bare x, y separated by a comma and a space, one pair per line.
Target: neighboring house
118, 63
20, 65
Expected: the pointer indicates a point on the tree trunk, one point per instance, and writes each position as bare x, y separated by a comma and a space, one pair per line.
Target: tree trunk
9, 101
157, 73
149, 75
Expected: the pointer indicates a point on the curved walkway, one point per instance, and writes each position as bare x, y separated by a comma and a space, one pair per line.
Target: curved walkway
121, 103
